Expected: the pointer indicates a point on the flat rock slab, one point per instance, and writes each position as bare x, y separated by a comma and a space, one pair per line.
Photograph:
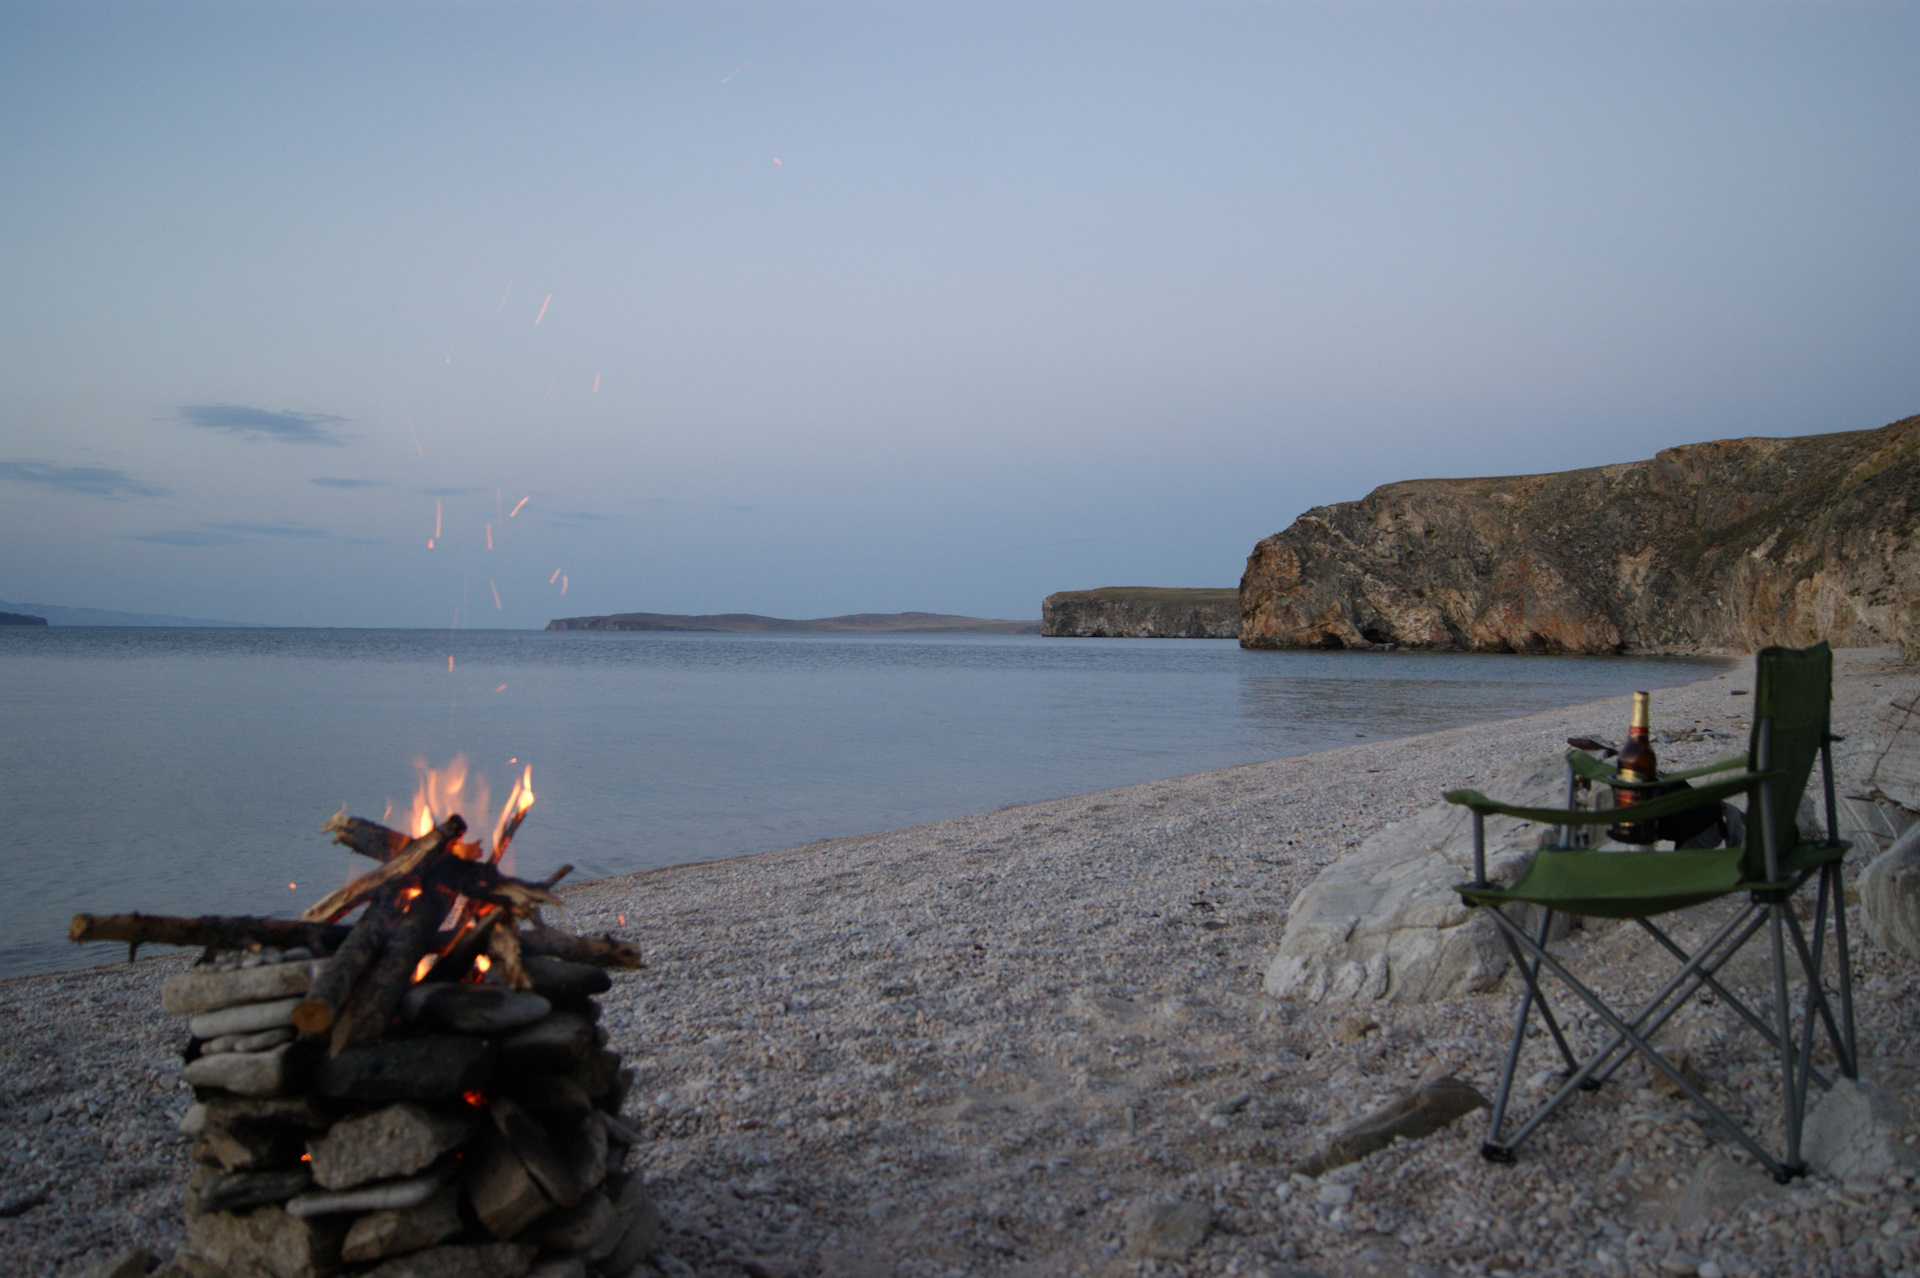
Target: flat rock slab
246, 1018
389, 1195
259, 1041
1422, 1113
1385, 923
554, 1045
561, 982
550, 1097
1166, 1230
1854, 1132
380, 1234
1720, 1186
236, 1191
398, 1140
480, 1260
584, 1228
193, 992
473, 1009
501, 1189
266, 1240
301, 1111
243, 1073
545, 1160
436, 1067
638, 1226
1890, 896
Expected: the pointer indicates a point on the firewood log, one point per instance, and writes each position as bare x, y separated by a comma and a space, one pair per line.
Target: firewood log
472, 943
220, 932
334, 986
601, 951
368, 838
415, 855
377, 997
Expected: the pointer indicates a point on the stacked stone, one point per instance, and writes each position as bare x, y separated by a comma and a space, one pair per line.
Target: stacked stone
479, 1138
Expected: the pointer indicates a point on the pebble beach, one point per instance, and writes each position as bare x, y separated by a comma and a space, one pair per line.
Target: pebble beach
1034, 1042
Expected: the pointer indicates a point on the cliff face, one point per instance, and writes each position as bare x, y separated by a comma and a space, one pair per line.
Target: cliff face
1141, 612
1726, 547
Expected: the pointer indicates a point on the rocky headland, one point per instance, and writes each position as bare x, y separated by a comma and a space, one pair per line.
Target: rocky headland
1716, 547
859, 623
1142, 612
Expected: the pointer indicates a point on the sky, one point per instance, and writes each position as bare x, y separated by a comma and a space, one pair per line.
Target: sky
813, 309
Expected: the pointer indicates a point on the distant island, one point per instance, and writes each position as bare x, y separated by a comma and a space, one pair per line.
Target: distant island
859, 623
20, 619
1142, 612
60, 615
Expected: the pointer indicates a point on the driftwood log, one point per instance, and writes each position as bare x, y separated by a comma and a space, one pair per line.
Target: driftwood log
239, 932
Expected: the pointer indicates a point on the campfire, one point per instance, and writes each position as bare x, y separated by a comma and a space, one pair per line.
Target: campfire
422, 1090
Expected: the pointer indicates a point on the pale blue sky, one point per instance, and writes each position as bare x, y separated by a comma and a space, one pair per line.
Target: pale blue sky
915, 306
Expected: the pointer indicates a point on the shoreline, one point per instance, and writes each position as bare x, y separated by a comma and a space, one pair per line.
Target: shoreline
972, 1044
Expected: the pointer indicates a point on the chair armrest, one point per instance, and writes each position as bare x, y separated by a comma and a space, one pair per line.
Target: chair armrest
1644, 810
1731, 761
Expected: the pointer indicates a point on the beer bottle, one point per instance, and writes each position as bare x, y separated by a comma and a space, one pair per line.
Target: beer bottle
1636, 762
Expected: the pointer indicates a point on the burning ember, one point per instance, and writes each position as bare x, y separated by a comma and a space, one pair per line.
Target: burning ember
412, 1067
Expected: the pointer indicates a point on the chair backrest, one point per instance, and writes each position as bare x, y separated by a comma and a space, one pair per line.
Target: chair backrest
1792, 691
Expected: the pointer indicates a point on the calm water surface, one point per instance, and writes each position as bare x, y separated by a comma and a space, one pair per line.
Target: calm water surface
188, 771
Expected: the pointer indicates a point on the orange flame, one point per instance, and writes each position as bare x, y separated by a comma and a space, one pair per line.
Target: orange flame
424, 966
442, 792
482, 963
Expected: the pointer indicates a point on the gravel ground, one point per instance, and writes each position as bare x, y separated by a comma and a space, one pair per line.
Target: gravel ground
970, 1047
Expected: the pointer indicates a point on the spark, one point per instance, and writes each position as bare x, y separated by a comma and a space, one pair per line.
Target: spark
450, 346
496, 592
736, 71
416, 436
436, 521
449, 663
293, 887
502, 688
554, 578
516, 509
550, 386
543, 311
563, 583
429, 543
503, 298
776, 160
623, 920
596, 383
489, 534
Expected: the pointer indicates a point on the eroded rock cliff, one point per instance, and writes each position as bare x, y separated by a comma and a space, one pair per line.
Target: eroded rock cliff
1725, 547
1142, 612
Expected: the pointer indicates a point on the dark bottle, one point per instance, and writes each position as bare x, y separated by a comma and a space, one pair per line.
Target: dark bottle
1636, 762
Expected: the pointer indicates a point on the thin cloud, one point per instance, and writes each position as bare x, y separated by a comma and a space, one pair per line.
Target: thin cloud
273, 530
454, 492
263, 423
183, 537
575, 517
234, 532
96, 481
333, 481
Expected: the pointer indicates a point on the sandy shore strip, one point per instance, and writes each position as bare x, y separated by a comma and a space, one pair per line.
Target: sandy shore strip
973, 1046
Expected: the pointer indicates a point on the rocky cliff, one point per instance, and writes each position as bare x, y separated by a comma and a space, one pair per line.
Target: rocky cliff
1142, 612
1719, 547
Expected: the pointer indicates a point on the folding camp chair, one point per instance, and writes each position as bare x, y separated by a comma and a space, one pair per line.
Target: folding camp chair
1790, 727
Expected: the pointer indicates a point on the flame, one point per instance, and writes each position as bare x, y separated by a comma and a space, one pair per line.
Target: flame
519, 799
442, 792
476, 1099
481, 963
424, 966
306, 1158
408, 893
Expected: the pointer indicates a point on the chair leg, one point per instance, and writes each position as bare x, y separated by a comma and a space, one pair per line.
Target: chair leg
1783, 1013
1529, 970
1850, 1057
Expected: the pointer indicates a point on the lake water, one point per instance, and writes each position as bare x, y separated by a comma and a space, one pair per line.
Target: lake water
188, 771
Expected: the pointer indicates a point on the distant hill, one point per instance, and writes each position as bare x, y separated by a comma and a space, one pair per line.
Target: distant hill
20, 619
859, 623
57, 615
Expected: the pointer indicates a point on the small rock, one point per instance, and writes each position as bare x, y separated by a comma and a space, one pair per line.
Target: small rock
260, 1041
582, 1228
390, 1195
193, 992
432, 1067
1710, 1269
1680, 1265
131, 1263
639, 1227
390, 1233
1420, 1114
247, 1018
1681, 1059
1336, 1195
396, 1141
1166, 1230
243, 1073
479, 1260
236, 1191
266, 1240
1718, 1187
554, 1045
501, 1189
1855, 1131
1351, 1029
